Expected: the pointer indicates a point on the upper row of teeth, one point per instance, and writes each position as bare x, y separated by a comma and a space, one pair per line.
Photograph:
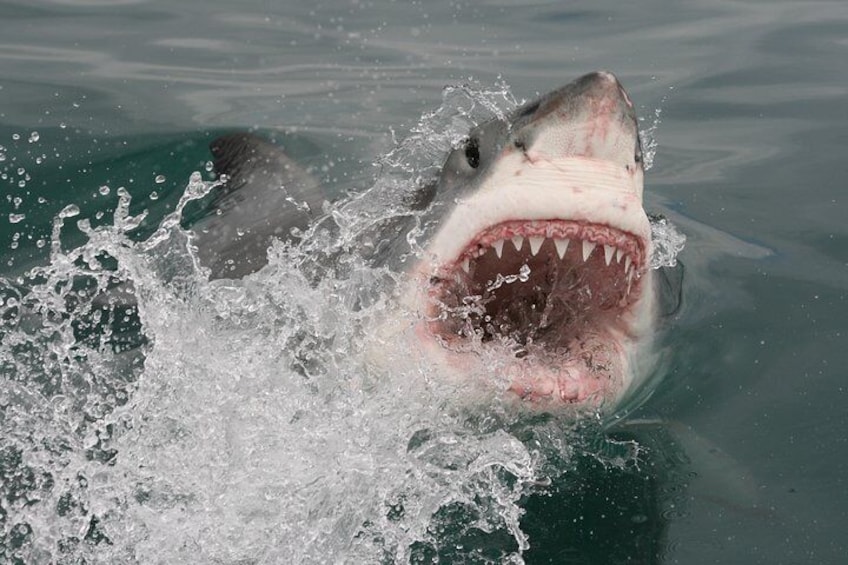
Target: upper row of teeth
561, 247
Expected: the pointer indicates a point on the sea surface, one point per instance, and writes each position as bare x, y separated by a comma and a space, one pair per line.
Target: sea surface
151, 416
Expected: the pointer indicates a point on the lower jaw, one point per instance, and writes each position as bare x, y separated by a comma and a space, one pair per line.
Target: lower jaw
565, 384
542, 380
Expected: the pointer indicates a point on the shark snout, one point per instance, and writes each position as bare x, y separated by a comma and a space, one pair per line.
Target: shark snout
596, 94
592, 117
604, 84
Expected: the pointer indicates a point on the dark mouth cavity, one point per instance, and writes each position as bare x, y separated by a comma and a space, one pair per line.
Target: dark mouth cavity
521, 284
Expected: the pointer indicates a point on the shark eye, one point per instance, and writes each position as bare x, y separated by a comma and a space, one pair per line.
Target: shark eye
472, 153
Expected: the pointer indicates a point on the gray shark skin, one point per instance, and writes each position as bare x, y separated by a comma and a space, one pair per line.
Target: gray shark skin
266, 195
536, 247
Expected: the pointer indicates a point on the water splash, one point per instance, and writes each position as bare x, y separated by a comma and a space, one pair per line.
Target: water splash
667, 243
648, 135
417, 160
149, 415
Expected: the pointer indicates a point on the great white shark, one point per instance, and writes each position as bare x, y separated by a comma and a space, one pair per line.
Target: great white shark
534, 260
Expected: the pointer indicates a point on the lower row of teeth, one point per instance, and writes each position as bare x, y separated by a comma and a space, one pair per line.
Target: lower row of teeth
561, 247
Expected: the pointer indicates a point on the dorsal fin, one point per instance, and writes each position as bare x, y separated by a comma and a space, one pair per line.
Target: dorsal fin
266, 195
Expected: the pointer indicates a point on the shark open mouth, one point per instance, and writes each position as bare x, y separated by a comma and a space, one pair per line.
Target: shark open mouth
534, 244
550, 295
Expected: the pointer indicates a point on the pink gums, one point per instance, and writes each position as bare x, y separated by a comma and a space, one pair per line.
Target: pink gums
558, 229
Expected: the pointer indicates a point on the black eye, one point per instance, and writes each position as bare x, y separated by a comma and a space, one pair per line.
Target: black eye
472, 153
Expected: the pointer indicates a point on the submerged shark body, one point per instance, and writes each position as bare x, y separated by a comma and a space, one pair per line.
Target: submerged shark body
536, 248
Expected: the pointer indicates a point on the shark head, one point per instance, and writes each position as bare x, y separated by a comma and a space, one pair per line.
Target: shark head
535, 268
534, 247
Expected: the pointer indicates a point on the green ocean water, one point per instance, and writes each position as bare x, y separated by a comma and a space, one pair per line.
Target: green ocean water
744, 459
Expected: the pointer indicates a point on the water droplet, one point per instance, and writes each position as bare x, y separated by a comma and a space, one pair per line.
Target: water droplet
90, 440
34, 136
104, 190
639, 519
62, 125
209, 166
16, 218
159, 179
154, 195
69, 211
16, 136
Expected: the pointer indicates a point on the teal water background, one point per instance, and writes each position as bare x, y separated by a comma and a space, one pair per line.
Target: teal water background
752, 98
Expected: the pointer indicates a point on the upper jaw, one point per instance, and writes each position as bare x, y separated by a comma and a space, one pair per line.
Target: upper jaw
573, 188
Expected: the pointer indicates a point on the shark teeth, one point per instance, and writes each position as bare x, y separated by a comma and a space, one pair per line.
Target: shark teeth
535, 244
561, 245
588, 247
608, 249
498, 247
